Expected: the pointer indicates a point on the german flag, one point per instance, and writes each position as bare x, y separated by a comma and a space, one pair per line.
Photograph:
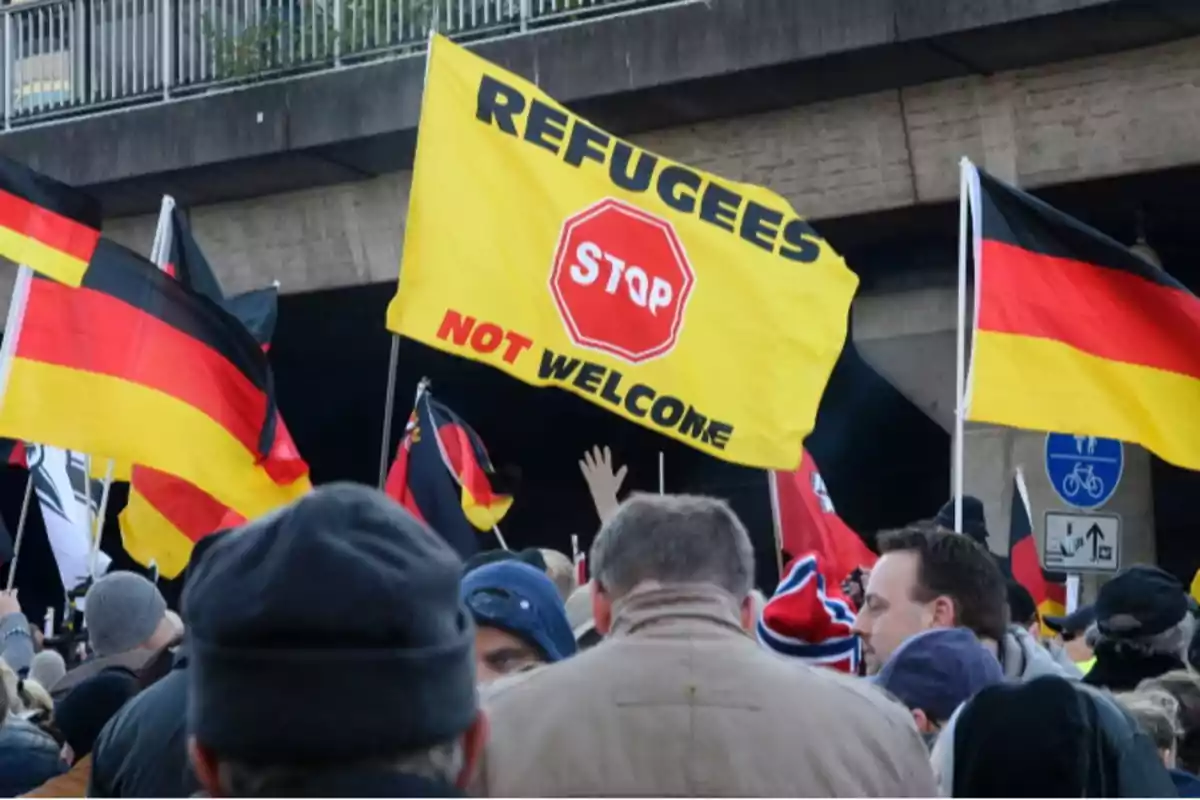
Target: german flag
165, 516
442, 474
1075, 333
186, 261
12, 453
1048, 589
46, 225
134, 366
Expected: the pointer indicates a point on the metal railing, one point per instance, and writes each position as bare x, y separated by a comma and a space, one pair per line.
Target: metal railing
75, 57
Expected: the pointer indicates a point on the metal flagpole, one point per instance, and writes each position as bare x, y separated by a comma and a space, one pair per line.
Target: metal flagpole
500, 537
776, 521
12, 568
1072, 592
394, 358
389, 404
662, 473
100, 512
160, 249
960, 377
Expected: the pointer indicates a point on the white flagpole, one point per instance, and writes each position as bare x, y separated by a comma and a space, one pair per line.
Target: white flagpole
389, 405
776, 522
160, 250
394, 359
97, 534
12, 326
499, 537
960, 377
12, 568
1072, 592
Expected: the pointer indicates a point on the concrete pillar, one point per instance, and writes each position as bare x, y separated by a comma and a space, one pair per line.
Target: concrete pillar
908, 338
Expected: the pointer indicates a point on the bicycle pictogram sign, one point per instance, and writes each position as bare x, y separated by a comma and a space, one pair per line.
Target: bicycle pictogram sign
1084, 470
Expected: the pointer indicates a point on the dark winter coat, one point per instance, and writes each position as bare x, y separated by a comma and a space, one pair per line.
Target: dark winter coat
28, 757
142, 751
1121, 669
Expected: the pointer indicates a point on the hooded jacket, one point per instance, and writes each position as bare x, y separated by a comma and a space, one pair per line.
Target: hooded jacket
1100, 750
1023, 659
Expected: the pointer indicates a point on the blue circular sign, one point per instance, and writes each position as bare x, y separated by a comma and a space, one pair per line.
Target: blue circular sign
1084, 470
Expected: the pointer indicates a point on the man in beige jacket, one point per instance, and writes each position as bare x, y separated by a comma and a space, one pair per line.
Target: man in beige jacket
679, 700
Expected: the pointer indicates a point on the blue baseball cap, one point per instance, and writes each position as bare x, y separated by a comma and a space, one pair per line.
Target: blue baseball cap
518, 599
937, 670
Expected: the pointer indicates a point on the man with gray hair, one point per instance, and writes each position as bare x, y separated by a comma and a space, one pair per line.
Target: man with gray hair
1142, 630
679, 699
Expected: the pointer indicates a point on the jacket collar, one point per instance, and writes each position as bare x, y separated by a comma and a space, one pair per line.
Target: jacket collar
677, 611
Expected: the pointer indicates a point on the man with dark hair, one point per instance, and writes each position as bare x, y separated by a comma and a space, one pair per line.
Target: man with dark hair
927, 577
974, 524
1022, 609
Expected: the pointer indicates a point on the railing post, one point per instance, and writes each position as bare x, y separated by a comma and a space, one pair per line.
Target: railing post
9, 63
526, 13
337, 32
166, 6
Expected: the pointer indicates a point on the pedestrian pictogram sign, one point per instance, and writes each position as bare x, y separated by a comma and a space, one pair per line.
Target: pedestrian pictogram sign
1081, 542
621, 281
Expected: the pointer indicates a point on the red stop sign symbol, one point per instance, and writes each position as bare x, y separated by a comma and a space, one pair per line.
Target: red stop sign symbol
621, 281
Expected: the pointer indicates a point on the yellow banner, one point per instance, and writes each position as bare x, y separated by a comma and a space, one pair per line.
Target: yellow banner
704, 309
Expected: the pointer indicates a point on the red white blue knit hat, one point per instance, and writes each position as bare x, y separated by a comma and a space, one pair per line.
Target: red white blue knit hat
810, 619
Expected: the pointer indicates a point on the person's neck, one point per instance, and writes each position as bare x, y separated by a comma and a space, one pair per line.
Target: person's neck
991, 644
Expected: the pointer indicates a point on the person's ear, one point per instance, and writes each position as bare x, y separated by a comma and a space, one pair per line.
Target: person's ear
601, 609
474, 740
943, 614
204, 764
749, 623
923, 724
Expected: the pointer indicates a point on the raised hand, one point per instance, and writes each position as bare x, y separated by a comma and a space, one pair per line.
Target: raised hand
603, 482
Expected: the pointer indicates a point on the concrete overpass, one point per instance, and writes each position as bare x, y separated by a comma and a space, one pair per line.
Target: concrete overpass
857, 111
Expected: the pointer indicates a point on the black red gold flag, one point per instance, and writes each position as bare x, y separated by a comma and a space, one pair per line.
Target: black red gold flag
170, 379
442, 474
1077, 334
46, 225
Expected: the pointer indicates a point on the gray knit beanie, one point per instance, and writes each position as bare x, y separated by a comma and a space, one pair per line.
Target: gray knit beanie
48, 668
121, 611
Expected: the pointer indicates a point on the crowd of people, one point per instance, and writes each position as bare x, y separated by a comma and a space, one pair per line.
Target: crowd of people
339, 647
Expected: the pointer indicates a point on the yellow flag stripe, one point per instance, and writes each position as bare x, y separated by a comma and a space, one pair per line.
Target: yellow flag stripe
483, 517
149, 537
1041, 384
40, 257
136, 424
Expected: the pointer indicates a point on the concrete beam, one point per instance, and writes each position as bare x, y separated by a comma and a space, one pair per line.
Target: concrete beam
665, 66
885, 152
